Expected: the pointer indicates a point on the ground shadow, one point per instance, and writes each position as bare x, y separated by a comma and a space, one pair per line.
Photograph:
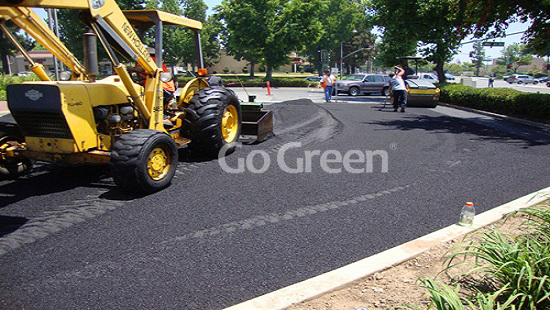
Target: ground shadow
9, 224
47, 179
483, 128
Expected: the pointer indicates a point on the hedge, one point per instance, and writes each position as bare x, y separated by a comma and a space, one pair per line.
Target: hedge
507, 101
7, 79
259, 82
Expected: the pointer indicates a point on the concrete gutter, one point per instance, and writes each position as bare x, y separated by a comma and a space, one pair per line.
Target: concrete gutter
346, 275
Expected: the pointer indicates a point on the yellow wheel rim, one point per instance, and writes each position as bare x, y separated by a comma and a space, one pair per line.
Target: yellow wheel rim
158, 163
230, 123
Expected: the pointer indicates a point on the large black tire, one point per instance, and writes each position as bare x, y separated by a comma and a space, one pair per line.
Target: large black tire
204, 122
12, 168
386, 91
144, 161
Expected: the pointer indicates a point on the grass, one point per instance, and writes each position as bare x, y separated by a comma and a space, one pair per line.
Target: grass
516, 268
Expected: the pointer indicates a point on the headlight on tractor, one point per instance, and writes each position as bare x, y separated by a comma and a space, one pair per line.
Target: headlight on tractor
166, 77
65, 76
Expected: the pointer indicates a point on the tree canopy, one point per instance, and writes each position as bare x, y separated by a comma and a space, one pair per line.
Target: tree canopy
489, 18
8, 49
268, 30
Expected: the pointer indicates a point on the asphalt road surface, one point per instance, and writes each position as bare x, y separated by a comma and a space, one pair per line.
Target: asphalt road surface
69, 239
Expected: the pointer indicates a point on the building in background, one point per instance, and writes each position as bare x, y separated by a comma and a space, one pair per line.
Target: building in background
236, 66
20, 65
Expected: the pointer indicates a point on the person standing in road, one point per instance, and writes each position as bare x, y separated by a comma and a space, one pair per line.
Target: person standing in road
408, 71
328, 84
399, 89
491, 82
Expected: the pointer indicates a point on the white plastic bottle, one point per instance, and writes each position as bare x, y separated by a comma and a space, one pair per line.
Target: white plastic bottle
467, 214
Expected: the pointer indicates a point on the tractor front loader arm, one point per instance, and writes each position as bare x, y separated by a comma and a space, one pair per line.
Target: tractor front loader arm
108, 21
27, 20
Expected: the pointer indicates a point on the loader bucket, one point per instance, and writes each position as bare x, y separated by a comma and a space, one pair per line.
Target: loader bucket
257, 125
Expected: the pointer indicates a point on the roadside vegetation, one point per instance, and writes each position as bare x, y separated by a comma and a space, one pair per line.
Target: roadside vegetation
8, 79
504, 271
507, 101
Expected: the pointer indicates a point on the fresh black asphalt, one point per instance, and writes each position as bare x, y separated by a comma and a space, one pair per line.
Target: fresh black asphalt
69, 239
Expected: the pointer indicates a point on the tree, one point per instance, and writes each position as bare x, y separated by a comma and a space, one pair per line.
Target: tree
345, 25
478, 56
430, 25
515, 55
178, 42
398, 37
363, 45
455, 69
7, 48
488, 17
269, 29
71, 28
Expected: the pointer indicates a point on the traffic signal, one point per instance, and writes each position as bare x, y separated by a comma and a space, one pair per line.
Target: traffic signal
471, 54
508, 66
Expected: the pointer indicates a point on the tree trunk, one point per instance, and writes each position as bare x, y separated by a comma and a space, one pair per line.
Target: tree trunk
6, 64
440, 73
252, 64
269, 73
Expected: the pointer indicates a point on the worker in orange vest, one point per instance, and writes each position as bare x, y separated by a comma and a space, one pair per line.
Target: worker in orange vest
168, 88
328, 84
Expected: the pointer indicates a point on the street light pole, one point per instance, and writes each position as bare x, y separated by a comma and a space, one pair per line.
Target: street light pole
341, 58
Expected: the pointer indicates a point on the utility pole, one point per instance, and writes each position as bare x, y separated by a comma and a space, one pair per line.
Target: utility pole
52, 28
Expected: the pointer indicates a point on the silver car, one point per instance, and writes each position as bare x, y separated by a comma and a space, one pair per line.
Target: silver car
520, 79
357, 84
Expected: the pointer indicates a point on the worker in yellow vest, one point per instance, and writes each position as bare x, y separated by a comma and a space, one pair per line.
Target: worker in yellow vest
328, 84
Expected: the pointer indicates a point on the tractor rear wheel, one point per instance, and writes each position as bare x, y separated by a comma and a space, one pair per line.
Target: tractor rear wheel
144, 160
212, 121
11, 168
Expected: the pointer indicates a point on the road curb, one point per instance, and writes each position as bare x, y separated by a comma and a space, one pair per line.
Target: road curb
542, 126
341, 277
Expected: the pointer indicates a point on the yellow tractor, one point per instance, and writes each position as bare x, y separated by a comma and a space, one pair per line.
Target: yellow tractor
116, 120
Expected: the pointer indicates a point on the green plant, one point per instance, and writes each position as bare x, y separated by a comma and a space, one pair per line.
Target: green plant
444, 297
226, 69
520, 265
8, 79
499, 100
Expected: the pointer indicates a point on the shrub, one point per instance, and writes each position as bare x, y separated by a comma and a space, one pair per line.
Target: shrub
226, 69
518, 266
231, 81
7, 79
245, 70
499, 100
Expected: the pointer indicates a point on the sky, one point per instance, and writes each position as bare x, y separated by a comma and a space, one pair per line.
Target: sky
463, 53
492, 52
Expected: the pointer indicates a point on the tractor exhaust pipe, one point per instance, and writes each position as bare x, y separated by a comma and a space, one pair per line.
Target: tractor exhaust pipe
89, 40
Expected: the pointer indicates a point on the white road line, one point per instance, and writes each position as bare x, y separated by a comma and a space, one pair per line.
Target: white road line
271, 218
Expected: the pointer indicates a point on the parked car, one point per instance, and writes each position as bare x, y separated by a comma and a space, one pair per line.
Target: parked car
520, 79
449, 77
314, 78
543, 79
357, 84
24, 73
425, 76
